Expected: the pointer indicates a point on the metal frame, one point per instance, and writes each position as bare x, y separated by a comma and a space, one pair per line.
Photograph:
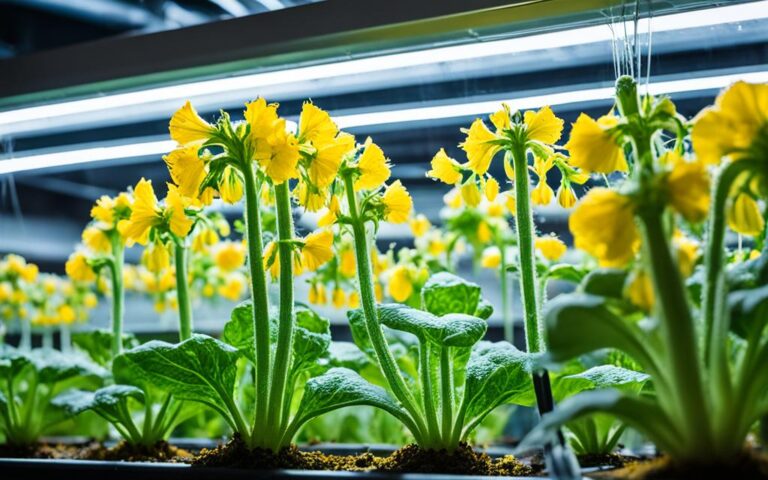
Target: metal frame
314, 33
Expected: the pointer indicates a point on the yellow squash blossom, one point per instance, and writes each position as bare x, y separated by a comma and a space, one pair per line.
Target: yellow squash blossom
231, 186
188, 128
445, 169
565, 196
397, 203
230, 256
552, 248
373, 167
453, 198
688, 187
187, 170
481, 145
542, 194
484, 232
315, 125
262, 118
77, 268
470, 194
331, 214
739, 115
309, 197
317, 249
66, 314
156, 257
95, 239
491, 258
354, 300
419, 225
278, 155
510, 202
103, 210
339, 298
347, 263
543, 126
400, 287
495, 209
491, 189
232, 288
688, 251
744, 215
603, 225
639, 290
593, 147
146, 213
271, 261
204, 239
500, 119
317, 294
325, 164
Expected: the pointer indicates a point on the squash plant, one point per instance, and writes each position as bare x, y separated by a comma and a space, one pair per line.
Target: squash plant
260, 157
31, 398
708, 381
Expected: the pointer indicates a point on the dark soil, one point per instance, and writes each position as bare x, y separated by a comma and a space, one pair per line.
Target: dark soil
750, 466
605, 460
44, 450
159, 452
410, 459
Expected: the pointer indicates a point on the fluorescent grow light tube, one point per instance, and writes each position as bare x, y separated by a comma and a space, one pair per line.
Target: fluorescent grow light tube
90, 110
32, 161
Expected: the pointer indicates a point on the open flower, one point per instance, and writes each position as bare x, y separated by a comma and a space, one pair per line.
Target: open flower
397, 203
687, 187
603, 225
639, 290
97, 240
187, 170
551, 247
278, 154
445, 169
147, 213
230, 186
731, 126
543, 126
372, 166
419, 225
156, 257
229, 256
188, 128
324, 166
481, 146
78, 269
315, 125
317, 249
470, 194
400, 286
593, 147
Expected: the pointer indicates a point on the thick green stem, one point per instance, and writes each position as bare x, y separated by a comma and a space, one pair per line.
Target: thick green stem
286, 324
182, 291
118, 294
680, 333
506, 318
384, 356
427, 389
65, 338
25, 342
48, 338
446, 395
260, 299
525, 244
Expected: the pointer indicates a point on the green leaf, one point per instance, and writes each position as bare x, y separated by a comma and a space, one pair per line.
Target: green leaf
749, 311
200, 369
605, 282
497, 373
452, 330
338, 388
238, 331
105, 401
53, 366
312, 336
97, 344
13, 362
484, 309
602, 376
578, 324
447, 293
359, 332
566, 272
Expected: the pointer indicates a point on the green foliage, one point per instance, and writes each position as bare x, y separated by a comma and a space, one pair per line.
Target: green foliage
97, 344
31, 383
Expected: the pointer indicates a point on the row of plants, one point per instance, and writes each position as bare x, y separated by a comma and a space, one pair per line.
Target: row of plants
663, 333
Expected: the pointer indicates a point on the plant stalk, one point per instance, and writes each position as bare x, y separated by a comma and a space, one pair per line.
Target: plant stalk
446, 395
368, 301
118, 293
182, 291
506, 318
428, 392
25, 342
260, 299
286, 324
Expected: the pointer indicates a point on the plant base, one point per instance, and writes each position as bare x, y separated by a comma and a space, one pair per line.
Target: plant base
159, 452
749, 466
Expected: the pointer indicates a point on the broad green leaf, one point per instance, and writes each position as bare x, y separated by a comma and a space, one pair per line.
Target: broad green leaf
105, 401
312, 336
13, 362
749, 311
53, 366
567, 273
578, 324
238, 331
452, 330
201, 369
97, 344
338, 388
641, 413
359, 331
602, 376
484, 309
447, 293
604, 282
497, 373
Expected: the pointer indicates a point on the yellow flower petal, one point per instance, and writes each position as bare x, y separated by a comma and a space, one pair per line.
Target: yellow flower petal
317, 249
95, 239
188, 128
420, 225
187, 170
445, 169
470, 194
542, 194
688, 187
480, 147
397, 203
145, 213
231, 186
325, 165
552, 248
543, 125
156, 257
178, 222
592, 147
229, 256
565, 196
744, 216
373, 167
491, 189
315, 125
400, 287
491, 258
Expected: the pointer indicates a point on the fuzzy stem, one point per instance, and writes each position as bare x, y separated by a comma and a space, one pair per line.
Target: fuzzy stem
285, 329
118, 293
506, 318
182, 291
427, 389
260, 299
384, 356
527, 259
25, 342
446, 395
